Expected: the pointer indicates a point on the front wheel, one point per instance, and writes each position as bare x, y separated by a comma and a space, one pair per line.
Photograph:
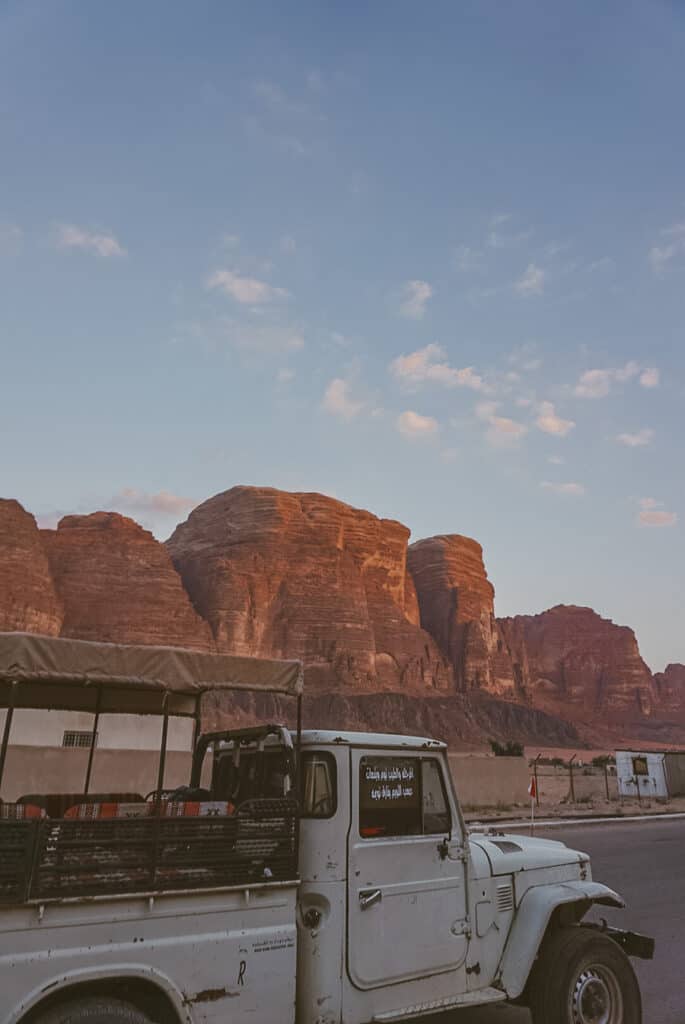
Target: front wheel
583, 977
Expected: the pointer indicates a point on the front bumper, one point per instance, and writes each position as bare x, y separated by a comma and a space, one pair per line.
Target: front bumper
632, 943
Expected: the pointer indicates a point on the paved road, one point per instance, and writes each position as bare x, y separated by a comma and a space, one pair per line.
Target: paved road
645, 862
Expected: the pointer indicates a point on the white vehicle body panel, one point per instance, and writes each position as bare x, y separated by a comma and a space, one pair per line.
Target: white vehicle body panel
207, 951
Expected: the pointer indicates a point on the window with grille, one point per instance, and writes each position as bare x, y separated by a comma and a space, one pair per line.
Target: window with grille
78, 738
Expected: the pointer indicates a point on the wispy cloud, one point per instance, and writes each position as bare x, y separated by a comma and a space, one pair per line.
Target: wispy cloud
288, 245
652, 513
415, 426
556, 460
502, 431
532, 282
638, 440
660, 256
649, 378
278, 101
285, 141
556, 248
566, 489
143, 503
467, 260
597, 383
430, 364
338, 401
415, 297
600, 265
315, 80
69, 236
10, 234
550, 423
524, 358
501, 240
285, 375
264, 338
246, 290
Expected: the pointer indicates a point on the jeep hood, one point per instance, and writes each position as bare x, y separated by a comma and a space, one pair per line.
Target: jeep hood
508, 853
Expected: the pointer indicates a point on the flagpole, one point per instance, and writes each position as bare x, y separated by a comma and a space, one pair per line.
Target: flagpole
533, 794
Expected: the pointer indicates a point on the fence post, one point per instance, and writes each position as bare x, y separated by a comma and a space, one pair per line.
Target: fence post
606, 782
535, 775
570, 777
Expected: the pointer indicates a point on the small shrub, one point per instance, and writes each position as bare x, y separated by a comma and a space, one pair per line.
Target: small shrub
509, 749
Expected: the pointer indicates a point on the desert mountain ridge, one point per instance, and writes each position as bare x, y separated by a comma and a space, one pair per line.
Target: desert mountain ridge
394, 636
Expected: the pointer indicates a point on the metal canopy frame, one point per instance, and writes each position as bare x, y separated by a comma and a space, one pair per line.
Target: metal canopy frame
57, 681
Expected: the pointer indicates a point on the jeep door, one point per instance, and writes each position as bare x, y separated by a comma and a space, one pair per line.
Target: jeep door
407, 881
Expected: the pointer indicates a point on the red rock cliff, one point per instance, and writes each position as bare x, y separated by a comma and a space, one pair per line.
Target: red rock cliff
306, 576
570, 656
670, 686
456, 602
28, 601
117, 583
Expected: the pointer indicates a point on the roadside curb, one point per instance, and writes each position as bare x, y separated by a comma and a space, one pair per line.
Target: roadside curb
482, 824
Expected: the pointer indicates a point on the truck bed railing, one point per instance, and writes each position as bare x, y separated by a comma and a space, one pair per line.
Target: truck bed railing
61, 858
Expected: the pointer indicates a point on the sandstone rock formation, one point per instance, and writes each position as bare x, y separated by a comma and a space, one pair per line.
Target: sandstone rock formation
393, 638
28, 601
456, 603
306, 576
572, 657
117, 583
670, 686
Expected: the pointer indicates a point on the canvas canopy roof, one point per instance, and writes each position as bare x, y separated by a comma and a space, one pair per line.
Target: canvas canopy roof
78, 675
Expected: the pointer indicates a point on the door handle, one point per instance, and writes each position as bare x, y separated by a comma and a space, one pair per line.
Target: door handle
367, 899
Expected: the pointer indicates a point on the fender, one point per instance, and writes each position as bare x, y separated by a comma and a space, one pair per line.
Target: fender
530, 924
114, 972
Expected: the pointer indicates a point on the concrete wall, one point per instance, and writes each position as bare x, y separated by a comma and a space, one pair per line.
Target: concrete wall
485, 781
30, 769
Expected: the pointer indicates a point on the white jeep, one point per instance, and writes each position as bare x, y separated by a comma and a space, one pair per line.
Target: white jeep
306, 876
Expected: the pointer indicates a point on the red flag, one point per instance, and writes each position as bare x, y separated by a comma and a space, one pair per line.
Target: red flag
533, 788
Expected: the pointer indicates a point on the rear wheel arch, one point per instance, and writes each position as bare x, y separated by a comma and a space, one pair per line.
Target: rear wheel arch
144, 995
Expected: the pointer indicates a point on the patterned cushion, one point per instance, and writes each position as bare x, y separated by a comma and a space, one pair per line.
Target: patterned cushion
18, 812
109, 810
197, 809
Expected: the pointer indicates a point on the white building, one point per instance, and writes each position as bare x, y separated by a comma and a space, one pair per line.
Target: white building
650, 773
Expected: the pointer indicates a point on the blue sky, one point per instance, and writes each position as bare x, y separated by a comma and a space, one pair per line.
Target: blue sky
429, 259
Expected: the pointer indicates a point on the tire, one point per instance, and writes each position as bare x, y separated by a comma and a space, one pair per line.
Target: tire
94, 1010
583, 977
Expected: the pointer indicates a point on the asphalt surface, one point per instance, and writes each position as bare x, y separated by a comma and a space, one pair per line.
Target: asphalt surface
645, 862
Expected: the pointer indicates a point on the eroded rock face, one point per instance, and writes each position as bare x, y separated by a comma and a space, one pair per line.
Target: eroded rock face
456, 603
306, 576
670, 686
118, 584
28, 601
570, 656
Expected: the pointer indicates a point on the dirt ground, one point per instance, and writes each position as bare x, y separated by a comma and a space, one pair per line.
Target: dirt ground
595, 809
